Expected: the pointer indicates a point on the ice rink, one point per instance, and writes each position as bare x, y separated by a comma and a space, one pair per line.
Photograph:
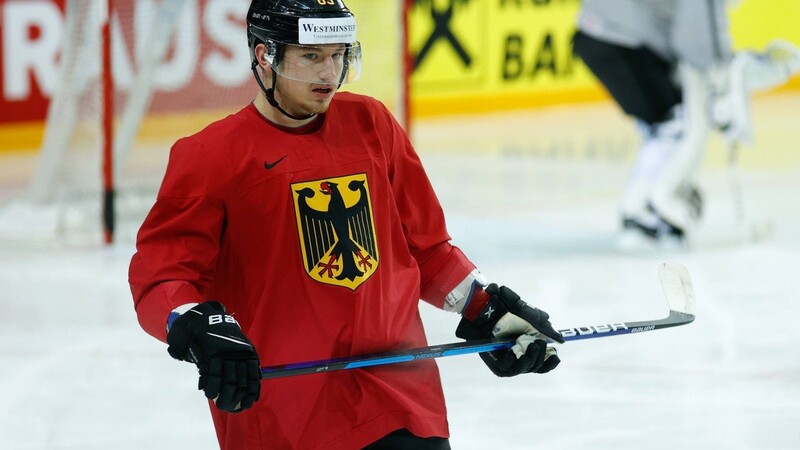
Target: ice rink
531, 199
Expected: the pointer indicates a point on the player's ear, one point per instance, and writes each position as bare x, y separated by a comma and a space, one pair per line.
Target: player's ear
261, 56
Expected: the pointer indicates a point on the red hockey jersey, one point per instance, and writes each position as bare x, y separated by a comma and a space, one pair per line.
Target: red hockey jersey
320, 241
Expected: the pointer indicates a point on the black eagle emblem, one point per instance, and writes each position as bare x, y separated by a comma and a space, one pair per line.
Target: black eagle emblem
339, 243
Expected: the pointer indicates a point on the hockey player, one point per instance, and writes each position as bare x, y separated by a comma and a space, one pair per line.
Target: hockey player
304, 227
669, 65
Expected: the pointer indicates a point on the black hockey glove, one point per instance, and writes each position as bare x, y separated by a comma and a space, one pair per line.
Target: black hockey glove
505, 315
228, 362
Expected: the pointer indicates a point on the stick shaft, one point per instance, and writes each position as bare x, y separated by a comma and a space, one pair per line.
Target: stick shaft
675, 318
675, 282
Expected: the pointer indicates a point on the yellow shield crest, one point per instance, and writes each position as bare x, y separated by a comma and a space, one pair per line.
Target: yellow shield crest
336, 229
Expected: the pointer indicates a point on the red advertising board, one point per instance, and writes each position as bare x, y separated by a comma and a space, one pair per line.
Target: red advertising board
207, 62
29, 36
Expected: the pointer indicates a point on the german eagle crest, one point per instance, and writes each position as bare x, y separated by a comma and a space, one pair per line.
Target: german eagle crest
336, 229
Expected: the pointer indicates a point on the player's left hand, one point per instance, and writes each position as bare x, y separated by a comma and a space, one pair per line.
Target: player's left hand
505, 315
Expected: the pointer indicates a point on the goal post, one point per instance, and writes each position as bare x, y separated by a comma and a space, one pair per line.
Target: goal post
107, 112
171, 67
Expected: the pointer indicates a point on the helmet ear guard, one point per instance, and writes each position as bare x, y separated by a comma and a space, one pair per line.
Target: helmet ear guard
274, 52
254, 38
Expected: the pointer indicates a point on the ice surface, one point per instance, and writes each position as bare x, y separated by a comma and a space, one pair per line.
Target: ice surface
530, 197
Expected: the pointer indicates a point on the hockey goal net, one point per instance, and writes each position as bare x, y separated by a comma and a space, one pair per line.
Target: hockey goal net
175, 66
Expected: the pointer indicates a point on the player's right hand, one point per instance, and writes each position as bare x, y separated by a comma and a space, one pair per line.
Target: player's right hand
228, 363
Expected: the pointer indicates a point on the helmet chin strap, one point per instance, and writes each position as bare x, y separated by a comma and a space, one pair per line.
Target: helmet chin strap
270, 94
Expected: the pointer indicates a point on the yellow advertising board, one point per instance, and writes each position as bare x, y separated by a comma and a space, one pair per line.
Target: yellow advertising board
478, 55
486, 55
756, 22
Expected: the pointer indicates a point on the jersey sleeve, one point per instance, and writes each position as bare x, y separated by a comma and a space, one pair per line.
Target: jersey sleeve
178, 243
442, 265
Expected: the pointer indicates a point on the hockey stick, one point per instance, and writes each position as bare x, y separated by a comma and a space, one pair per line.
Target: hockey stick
747, 229
736, 183
675, 282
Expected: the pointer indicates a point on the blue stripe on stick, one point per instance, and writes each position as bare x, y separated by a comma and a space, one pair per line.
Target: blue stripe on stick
378, 362
478, 349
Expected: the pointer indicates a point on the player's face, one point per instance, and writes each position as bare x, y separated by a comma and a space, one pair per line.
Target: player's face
309, 77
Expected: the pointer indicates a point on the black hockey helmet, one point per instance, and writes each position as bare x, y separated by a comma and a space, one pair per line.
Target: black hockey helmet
277, 23
278, 19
